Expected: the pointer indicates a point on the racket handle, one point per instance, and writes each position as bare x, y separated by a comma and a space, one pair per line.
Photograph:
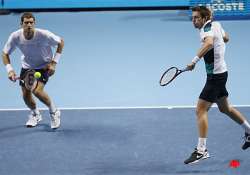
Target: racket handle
185, 69
18, 78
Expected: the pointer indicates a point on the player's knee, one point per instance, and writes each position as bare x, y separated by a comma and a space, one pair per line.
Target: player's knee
37, 92
27, 95
201, 112
225, 110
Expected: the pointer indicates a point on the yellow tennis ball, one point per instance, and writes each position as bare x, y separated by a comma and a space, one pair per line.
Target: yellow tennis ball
37, 75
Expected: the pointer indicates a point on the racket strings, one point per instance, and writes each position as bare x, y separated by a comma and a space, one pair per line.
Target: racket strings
168, 76
30, 80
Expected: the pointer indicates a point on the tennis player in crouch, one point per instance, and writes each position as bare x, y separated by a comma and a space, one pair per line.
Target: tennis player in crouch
36, 47
213, 38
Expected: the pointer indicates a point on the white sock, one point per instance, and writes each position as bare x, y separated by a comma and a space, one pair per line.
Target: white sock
202, 144
246, 126
35, 111
52, 107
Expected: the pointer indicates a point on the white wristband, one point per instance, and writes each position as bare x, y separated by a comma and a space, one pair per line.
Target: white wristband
195, 59
9, 68
57, 57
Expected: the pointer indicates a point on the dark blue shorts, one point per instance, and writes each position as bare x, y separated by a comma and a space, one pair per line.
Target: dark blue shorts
44, 75
215, 87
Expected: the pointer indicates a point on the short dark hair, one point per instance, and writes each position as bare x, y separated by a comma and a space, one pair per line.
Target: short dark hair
27, 15
204, 12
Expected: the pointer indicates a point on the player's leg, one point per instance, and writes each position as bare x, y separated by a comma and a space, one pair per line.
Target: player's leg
206, 99
200, 151
230, 111
40, 93
28, 99
202, 120
35, 115
236, 116
43, 96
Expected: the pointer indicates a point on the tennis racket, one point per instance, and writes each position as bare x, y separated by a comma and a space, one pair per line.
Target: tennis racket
169, 75
29, 80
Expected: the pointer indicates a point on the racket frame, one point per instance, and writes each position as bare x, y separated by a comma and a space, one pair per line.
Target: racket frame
178, 72
28, 87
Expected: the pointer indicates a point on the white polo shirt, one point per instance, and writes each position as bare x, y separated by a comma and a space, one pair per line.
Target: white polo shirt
37, 52
214, 58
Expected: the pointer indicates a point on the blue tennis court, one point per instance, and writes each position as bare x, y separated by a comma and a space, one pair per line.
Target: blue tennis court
133, 141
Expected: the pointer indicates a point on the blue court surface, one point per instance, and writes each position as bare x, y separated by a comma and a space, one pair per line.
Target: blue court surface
137, 141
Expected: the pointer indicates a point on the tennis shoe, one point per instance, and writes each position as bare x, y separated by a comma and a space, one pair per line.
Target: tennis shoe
247, 141
34, 119
196, 156
55, 119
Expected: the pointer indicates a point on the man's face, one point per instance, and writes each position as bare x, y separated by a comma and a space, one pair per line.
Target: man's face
197, 20
28, 24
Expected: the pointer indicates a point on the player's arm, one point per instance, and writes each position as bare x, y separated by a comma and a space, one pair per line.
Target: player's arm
55, 60
206, 46
9, 47
58, 53
9, 68
60, 46
224, 35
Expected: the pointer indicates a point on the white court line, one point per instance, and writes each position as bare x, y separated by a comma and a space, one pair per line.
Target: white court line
117, 107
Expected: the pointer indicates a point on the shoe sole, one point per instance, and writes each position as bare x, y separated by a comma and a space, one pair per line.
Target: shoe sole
30, 126
55, 127
244, 148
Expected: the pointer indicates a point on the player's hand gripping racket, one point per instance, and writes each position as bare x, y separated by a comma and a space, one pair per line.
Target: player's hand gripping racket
169, 75
29, 80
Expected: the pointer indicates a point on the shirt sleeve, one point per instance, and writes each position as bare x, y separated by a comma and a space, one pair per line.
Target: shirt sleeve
53, 39
206, 31
10, 45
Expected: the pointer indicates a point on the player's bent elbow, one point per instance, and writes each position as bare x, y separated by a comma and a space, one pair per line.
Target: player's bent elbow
5, 58
4, 54
62, 43
225, 39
